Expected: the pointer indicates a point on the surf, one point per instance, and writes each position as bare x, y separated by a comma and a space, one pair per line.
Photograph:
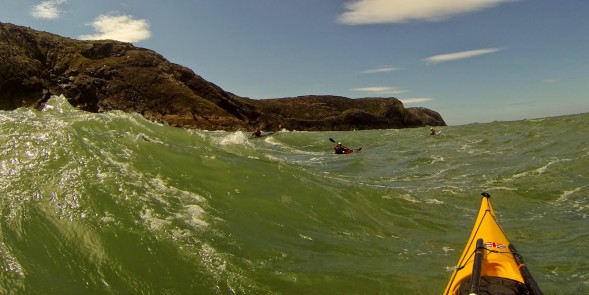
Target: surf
112, 203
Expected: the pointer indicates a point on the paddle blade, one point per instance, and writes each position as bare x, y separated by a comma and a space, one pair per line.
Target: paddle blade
332, 140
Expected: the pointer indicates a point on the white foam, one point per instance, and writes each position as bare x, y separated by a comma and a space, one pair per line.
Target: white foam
447, 249
196, 215
409, 198
434, 201
236, 138
153, 222
10, 263
564, 196
305, 237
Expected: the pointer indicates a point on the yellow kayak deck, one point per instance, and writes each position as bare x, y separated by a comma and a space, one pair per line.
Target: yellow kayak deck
489, 263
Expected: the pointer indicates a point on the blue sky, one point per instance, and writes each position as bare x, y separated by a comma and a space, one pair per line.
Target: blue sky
470, 60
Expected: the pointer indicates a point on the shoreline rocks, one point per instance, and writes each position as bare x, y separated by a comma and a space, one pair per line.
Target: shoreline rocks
99, 76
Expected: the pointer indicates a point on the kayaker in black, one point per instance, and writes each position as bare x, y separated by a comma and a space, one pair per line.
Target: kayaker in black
257, 132
339, 148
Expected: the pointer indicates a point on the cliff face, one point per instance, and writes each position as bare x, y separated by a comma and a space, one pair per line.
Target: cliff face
98, 76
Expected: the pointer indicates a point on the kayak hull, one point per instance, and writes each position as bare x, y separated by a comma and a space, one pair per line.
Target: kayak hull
349, 151
498, 267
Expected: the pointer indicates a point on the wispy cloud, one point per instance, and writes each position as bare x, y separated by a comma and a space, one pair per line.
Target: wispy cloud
48, 9
359, 12
415, 100
119, 27
459, 55
385, 69
380, 90
550, 80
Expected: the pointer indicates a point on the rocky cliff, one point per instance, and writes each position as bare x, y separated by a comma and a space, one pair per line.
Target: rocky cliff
99, 76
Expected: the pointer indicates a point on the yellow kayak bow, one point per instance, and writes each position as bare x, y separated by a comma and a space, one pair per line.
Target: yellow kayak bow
489, 264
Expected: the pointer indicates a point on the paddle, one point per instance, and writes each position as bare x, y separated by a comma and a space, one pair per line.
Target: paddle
528, 278
475, 279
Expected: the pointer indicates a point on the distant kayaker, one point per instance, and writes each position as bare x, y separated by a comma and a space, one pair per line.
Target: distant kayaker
257, 132
339, 148
432, 131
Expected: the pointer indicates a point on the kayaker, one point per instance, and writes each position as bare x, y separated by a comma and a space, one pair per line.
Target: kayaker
257, 132
339, 148
432, 131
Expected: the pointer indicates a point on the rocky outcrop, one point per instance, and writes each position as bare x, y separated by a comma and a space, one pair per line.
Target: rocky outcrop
323, 113
99, 76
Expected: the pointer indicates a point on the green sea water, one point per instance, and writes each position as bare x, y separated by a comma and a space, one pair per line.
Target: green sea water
114, 204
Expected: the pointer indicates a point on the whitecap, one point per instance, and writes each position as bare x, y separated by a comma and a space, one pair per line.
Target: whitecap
409, 198
564, 196
447, 249
305, 237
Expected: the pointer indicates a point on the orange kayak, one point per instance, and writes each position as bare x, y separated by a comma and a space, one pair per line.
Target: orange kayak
489, 263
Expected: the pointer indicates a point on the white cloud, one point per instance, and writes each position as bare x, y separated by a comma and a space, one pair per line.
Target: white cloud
380, 90
459, 55
48, 9
379, 70
415, 100
119, 27
359, 12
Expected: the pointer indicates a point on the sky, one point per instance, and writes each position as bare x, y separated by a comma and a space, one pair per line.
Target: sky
470, 60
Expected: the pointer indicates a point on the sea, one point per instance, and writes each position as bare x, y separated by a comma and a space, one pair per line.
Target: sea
112, 203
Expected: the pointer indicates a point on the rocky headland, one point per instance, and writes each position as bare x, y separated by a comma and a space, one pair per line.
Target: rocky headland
99, 76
